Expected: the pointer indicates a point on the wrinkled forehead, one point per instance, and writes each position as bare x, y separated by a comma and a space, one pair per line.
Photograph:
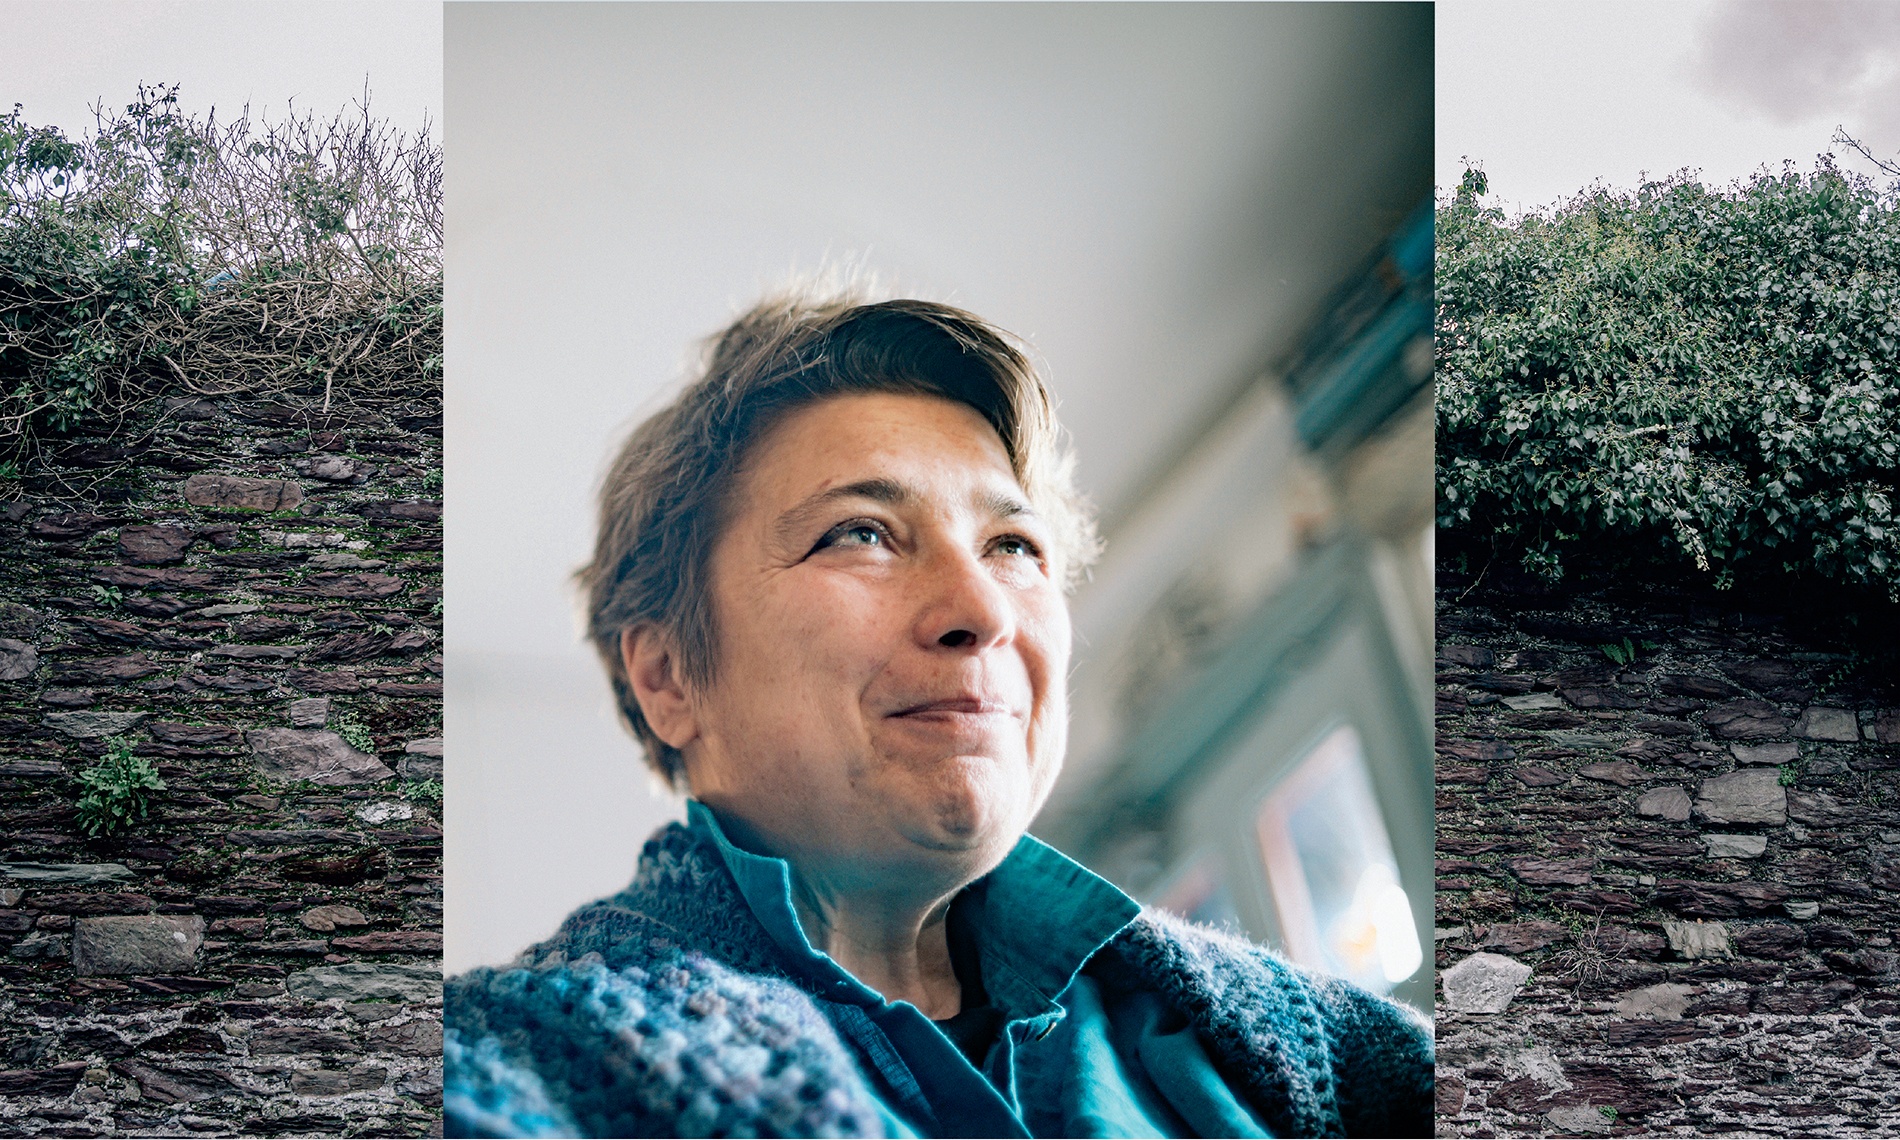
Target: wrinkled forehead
898, 449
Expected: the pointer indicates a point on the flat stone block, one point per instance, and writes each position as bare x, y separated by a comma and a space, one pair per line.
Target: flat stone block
137, 944
1664, 1002
1745, 720
248, 494
149, 545
1735, 846
329, 1082
20, 621
1780, 752
82, 725
1818, 809
1751, 795
1580, 739
1664, 803
311, 712
418, 1038
362, 982
384, 811
38, 946
318, 756
17, 659
291, 1039
1819, 723
1580, 1120
1483, 983
1695, 940
422, 759
324, 919
420, 767
1622, 773
67, 872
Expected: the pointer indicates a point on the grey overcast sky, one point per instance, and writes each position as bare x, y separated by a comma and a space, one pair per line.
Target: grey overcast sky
59, 57
1549, 97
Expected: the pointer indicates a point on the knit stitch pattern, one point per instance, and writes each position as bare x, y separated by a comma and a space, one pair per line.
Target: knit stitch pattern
663, 1011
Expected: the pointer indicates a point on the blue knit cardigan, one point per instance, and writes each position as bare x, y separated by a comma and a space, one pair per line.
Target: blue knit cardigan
663, 1011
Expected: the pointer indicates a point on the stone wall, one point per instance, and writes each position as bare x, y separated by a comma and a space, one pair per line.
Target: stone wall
249, 595
1667, 886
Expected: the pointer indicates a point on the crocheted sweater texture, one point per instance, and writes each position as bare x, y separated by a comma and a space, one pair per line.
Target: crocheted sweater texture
662, 1011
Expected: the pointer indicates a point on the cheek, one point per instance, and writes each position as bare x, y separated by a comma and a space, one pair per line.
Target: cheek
1046, 638
814, 649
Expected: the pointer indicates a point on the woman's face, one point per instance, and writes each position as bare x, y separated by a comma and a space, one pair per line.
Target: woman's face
893, 645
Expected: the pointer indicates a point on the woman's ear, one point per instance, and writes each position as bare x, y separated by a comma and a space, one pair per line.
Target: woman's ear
658, 683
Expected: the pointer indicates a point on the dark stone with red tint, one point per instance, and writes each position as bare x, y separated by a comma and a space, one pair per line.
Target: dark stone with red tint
1694, 685
1719, 900
148, 545
1745, 720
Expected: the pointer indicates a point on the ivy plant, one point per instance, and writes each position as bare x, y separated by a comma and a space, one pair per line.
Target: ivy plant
1700, 381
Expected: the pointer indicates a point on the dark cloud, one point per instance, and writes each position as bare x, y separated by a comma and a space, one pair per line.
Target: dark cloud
1798, 61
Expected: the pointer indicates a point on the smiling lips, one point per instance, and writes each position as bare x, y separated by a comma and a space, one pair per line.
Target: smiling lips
956, 710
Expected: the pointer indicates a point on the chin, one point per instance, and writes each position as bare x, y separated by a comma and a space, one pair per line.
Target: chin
971, 806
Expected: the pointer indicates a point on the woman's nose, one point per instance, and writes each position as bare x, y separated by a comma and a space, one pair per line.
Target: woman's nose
967, 608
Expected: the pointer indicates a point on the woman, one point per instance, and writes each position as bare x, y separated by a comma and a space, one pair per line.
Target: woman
830, 591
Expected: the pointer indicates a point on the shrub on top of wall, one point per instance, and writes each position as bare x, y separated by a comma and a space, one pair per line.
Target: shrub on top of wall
167, 255
1701, 382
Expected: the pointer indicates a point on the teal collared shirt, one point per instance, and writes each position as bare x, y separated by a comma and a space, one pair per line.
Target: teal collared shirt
1076, 1054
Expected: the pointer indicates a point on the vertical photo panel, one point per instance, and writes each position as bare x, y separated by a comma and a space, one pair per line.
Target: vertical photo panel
220, 570
939, 555
1668, 451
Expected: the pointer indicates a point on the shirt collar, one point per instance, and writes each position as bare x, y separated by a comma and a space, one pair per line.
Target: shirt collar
1037, 918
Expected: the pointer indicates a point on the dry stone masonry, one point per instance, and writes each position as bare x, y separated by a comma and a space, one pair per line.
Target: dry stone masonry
249, 594
1668, 872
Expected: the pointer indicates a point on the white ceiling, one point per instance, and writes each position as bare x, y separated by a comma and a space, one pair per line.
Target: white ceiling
1156, 196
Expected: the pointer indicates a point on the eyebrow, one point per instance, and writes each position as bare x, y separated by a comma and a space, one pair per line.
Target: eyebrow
890, 493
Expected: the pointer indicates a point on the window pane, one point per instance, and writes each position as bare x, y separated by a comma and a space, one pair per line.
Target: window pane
1335, 882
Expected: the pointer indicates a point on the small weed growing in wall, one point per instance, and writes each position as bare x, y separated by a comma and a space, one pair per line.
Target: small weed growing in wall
1790, 774
108, 596
425, 792
116, 790
1585, 960
355, 733
1622, 654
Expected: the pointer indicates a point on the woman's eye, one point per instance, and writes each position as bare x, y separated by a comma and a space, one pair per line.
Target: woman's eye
1015, 545
854, 535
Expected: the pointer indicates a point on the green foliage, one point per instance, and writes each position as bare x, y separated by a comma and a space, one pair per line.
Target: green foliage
163, 253
1703, 382
116, 790
355, 733
1790, 774
1622, 653
108, 596
426, 792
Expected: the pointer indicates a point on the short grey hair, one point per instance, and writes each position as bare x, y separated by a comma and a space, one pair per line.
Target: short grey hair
667, 498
